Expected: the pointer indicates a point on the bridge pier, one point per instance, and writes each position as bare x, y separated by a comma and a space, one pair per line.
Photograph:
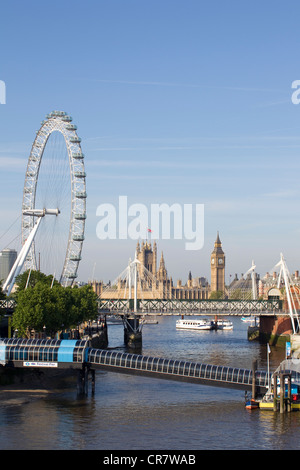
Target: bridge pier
276, 330
83, 380
132, 332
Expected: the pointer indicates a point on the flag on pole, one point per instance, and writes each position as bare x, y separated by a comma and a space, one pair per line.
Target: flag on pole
149, 230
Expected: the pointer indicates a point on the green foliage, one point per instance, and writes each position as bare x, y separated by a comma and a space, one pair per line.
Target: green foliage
236, 294
2, 297
34, 277
217, 294
58, 308
2, 294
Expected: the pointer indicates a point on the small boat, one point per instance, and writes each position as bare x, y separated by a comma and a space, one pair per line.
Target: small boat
224, 325
202, 324
252, 404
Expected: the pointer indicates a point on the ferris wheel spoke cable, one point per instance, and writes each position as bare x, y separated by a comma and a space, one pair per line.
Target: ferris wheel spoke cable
54, 191
10, 227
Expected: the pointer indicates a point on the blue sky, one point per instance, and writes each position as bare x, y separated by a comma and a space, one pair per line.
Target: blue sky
175, 101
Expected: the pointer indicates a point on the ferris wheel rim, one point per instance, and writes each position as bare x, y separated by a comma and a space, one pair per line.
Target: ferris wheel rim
58, 121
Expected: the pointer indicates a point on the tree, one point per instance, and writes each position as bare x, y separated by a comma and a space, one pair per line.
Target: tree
30, 311
2, 294
2, 297
216, 295
32, 277
84, 303
236, 294
54, 309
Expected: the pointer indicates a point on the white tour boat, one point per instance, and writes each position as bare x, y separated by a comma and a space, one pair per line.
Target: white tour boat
224, 325
202, 324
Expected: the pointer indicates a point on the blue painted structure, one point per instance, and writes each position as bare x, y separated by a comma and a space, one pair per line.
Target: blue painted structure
19, 352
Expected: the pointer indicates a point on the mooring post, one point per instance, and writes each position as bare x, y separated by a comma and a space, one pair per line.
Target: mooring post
86, 380
93, 381
289, 393
80, 381
83, 380
281, 392
254, 367
275, 392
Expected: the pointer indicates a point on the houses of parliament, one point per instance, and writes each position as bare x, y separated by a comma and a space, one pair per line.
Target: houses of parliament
154, 283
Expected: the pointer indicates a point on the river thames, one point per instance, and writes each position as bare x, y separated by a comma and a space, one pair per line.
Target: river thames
140, 413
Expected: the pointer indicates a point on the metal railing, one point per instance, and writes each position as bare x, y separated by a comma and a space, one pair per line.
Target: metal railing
178, 370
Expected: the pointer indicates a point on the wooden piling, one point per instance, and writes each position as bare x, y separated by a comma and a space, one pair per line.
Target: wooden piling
86, 381
275, 393
281, 379
93, 381
289, 394
254, 367
81, 381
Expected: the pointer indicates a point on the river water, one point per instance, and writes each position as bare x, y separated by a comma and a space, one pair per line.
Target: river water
130, 412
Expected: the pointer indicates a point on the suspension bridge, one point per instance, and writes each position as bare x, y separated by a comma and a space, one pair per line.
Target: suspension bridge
135, 290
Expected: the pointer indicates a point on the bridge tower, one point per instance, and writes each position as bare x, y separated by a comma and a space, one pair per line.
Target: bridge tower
217, 266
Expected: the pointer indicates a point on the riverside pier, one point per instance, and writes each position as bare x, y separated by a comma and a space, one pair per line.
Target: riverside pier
278, 391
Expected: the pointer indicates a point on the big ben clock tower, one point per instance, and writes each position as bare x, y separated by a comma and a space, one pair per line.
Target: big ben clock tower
217, 266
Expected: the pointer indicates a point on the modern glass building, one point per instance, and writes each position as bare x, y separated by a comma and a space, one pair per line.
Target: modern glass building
7, 259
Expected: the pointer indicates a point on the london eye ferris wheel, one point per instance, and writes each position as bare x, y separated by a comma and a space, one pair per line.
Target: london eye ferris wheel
55, 185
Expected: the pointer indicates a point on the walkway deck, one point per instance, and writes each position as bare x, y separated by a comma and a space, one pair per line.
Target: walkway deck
171, 369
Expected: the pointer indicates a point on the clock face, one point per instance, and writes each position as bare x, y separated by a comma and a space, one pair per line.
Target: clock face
213, 261
220, 261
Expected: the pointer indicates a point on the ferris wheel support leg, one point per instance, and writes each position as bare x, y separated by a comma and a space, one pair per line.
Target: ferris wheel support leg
16, 269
